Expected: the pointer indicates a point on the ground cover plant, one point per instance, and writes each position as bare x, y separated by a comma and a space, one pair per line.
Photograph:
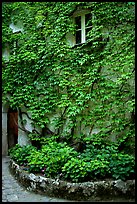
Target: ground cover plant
58, 160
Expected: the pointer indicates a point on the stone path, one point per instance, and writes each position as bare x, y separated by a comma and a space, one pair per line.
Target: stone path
12, 191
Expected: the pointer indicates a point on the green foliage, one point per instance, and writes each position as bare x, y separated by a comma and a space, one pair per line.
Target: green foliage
87, 86
85, 81
11, 151
57, 160
122, 166
50, 158
75, 169
79, 170
119, 165
20, 154
36, 161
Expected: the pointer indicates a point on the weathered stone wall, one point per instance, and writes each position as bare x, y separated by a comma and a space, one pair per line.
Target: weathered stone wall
4, 131
75, 191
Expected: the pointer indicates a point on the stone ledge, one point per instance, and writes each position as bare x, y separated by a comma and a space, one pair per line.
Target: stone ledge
96, 191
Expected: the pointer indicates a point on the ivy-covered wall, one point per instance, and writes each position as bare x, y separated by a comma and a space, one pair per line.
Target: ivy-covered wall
70, 91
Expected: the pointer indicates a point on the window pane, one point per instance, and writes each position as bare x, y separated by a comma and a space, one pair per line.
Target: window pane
78, 22
88, 18
87, 31
78, 37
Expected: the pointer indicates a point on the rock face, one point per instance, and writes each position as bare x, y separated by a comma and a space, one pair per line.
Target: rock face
74, 191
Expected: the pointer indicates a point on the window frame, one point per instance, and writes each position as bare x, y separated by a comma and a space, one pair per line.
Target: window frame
15, 43
82, 14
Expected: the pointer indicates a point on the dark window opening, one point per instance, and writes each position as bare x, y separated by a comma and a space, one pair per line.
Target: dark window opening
78, 37
88, 18
87, 32
78, 22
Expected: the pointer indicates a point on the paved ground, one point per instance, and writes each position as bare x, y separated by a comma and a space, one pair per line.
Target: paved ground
12, 191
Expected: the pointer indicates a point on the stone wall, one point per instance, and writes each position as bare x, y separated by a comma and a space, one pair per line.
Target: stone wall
4, 131
99, 190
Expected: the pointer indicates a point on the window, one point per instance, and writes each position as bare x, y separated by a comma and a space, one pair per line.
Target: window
83, 26
17, 30
16, 42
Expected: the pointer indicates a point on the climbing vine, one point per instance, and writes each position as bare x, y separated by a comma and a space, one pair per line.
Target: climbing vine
84, 87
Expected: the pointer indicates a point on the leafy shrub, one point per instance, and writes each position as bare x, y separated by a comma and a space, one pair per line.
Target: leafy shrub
96, 162
14, 152
20, 154
122, 166
99, 169
75, 169
36, 161
51, 158
79, 170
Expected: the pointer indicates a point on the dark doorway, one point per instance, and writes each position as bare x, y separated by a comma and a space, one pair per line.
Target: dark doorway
12, 127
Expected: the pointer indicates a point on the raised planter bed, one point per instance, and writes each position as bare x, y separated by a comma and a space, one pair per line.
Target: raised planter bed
97, 190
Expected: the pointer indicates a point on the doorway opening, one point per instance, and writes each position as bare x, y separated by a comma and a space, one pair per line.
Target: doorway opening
12, 127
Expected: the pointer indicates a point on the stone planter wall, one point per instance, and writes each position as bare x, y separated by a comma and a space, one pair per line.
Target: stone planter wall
98, 190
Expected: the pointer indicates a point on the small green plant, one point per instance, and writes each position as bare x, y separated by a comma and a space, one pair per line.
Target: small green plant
79, 170
96, 162
36, 161
14, 152
75, 170
114, 164
122, 166
50, 158
20, 154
